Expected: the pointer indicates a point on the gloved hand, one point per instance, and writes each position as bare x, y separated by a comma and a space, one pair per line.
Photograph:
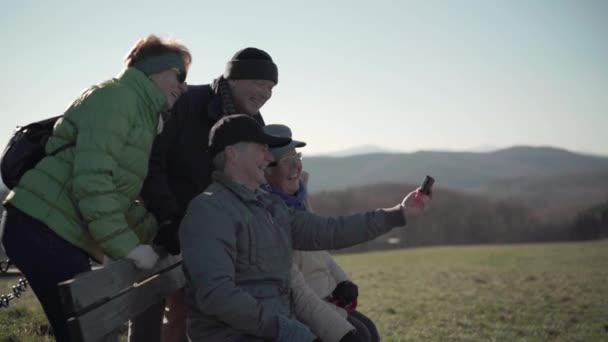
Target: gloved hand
167, 236
345, 293
352, 336
143, 256
291, 330
351, 307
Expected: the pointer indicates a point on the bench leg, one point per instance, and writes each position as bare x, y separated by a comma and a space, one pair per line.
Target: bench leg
175, 328
147, 326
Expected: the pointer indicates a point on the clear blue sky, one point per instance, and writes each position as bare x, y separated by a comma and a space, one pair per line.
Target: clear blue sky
405, 75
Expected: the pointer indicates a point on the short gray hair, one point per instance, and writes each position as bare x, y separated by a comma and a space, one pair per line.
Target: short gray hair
219, 161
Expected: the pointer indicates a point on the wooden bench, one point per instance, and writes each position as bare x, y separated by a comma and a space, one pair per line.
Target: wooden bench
101, 301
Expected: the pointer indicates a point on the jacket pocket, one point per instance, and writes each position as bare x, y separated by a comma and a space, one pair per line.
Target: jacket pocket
263, 291
269, 294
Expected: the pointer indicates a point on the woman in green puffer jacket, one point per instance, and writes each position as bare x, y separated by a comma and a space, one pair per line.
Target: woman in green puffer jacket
81, 202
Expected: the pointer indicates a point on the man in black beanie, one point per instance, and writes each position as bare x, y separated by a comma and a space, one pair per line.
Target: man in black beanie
251, 75
180, 166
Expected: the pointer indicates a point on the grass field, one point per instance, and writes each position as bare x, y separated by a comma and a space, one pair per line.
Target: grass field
536, 292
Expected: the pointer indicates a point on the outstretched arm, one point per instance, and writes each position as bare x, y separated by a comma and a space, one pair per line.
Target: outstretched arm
313, 232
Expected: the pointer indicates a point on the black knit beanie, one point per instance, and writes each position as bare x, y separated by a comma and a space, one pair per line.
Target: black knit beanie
251, 64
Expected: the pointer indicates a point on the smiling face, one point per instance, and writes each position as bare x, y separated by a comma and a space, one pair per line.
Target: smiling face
168, 82
286, 174
250, 95
248, 161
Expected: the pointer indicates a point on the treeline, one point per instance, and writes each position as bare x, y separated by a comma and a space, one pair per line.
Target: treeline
458, 218
461, 218
591, 224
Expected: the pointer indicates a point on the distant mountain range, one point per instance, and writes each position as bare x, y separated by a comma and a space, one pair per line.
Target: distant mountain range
369, 149
457, 170
498, 171
363, 149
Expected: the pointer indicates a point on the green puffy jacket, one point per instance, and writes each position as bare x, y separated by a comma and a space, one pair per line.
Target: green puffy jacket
87, 193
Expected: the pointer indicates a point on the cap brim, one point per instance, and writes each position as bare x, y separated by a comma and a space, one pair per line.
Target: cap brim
279, 151
292, 144
298, 143
274, 141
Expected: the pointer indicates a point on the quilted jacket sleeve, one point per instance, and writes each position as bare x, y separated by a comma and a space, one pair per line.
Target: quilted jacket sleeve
313, 232
102, 133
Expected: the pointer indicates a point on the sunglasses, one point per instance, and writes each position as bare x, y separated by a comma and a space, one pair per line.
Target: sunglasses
291, 161
181, 75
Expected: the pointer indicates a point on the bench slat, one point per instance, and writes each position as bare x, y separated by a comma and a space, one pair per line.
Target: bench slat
103, 320
93, 288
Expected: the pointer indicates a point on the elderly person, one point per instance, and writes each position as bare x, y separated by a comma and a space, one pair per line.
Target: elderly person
237, 241
324, 276
180, 167
80, 203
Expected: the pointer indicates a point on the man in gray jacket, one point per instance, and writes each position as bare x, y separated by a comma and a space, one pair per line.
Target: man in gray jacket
237, 241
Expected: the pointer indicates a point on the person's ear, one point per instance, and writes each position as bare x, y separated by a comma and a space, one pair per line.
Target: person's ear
231, 153
232, 84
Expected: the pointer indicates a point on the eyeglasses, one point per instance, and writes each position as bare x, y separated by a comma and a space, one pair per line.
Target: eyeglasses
291, 161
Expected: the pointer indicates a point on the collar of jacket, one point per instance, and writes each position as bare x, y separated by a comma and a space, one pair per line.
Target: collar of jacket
214, 108
144, 88
240, 190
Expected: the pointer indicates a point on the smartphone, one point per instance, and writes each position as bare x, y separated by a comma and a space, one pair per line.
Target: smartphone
427, 184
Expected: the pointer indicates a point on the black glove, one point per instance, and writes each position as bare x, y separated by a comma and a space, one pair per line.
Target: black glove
352, 336
167, 236
345, 293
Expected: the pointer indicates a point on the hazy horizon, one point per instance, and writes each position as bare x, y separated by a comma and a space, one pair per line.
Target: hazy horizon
363, 149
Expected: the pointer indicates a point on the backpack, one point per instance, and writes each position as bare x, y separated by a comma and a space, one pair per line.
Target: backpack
25, 149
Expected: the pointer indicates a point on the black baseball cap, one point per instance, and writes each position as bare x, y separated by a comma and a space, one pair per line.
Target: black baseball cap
232, 129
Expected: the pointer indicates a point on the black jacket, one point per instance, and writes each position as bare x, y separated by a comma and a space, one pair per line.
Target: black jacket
180, 166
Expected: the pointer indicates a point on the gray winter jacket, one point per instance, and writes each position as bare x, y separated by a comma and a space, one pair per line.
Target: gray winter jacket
237, 249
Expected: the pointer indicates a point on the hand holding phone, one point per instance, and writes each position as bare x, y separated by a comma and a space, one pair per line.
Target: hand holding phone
414, 203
